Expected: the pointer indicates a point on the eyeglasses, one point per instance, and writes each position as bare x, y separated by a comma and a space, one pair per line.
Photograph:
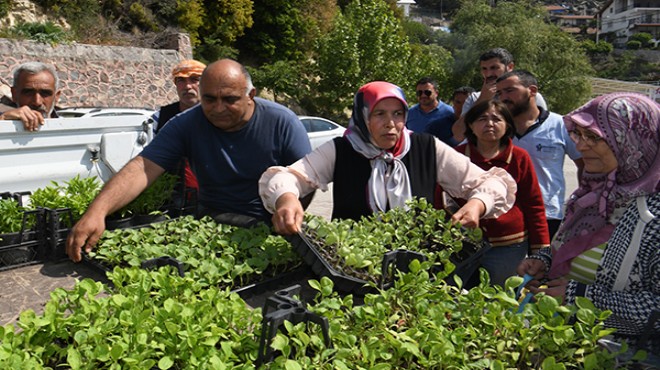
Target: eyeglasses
589, 139
425, 92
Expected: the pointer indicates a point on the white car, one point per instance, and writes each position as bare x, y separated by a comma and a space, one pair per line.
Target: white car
103, 112
320, 130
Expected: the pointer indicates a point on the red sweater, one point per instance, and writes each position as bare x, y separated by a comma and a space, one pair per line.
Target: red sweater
526, 220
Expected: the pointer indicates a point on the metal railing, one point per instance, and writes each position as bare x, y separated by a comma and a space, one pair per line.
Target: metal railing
600, 86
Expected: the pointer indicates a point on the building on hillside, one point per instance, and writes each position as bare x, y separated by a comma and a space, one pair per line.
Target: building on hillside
620, 19
556, 10
585, 24
405, 4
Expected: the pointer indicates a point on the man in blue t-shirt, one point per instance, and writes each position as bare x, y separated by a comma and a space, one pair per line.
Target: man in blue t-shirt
230, 139
431, 115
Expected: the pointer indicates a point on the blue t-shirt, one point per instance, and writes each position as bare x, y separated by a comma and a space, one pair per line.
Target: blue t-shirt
437, 122
228, 165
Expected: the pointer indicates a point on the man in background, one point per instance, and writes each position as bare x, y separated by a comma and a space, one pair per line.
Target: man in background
492, 64
544, 136
458, 99
34, 94
431, 115
186, 76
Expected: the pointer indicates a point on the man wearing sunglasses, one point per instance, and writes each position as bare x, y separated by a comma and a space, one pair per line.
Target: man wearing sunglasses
431, 115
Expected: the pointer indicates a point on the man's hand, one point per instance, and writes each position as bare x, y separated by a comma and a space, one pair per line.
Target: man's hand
488, 89
469, 214
31, 119
288, 216
84, 234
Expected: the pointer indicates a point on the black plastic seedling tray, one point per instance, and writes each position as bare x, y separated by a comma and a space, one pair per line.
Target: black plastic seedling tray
466, 262
350, 284
26, 247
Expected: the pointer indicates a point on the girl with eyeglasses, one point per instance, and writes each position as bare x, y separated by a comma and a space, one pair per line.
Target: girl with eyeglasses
488, 128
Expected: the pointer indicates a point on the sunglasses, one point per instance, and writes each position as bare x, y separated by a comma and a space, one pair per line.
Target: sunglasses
425, 92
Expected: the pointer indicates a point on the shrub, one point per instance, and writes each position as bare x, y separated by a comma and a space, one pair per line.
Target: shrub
5, 7
633, 45
602, 47
644, 39
48, 33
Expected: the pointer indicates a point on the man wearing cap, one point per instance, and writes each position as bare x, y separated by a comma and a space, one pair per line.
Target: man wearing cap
230, 139
186, 77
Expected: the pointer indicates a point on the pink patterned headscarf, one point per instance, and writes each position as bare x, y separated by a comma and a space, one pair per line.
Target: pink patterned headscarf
629, 124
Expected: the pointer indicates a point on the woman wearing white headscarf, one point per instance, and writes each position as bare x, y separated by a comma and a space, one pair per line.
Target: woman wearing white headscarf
379, 165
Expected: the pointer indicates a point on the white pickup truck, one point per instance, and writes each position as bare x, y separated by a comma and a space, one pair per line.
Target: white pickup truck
66, 147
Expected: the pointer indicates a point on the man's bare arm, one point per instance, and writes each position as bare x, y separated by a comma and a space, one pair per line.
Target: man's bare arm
125, 186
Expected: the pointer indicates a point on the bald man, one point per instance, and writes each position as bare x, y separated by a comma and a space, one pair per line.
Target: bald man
230, 139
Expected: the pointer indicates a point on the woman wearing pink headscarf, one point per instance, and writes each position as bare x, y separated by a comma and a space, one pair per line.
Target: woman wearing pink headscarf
608, 246
379, 165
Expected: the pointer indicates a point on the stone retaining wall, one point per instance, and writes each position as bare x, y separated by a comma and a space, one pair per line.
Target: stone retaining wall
101, 76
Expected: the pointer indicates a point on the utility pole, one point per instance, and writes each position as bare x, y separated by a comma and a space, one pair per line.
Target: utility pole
597, 26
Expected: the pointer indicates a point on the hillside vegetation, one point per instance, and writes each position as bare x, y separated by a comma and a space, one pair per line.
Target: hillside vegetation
314, 54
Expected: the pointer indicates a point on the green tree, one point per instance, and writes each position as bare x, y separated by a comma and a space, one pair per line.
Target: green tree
285, 29
225, 21
444, 6
429, 60
418, 33
367, 43
191, 16
557, 59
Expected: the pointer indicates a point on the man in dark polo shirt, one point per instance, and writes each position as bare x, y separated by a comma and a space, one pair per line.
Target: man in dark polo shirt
186, 77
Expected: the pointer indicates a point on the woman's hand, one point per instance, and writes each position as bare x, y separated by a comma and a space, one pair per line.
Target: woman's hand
470, 213
288, 216
555, 288
532, 267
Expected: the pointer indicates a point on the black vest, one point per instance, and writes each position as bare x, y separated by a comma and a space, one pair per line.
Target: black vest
352, 172
166, 113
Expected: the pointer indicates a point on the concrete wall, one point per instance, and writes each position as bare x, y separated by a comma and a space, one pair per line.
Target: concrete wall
103, 76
